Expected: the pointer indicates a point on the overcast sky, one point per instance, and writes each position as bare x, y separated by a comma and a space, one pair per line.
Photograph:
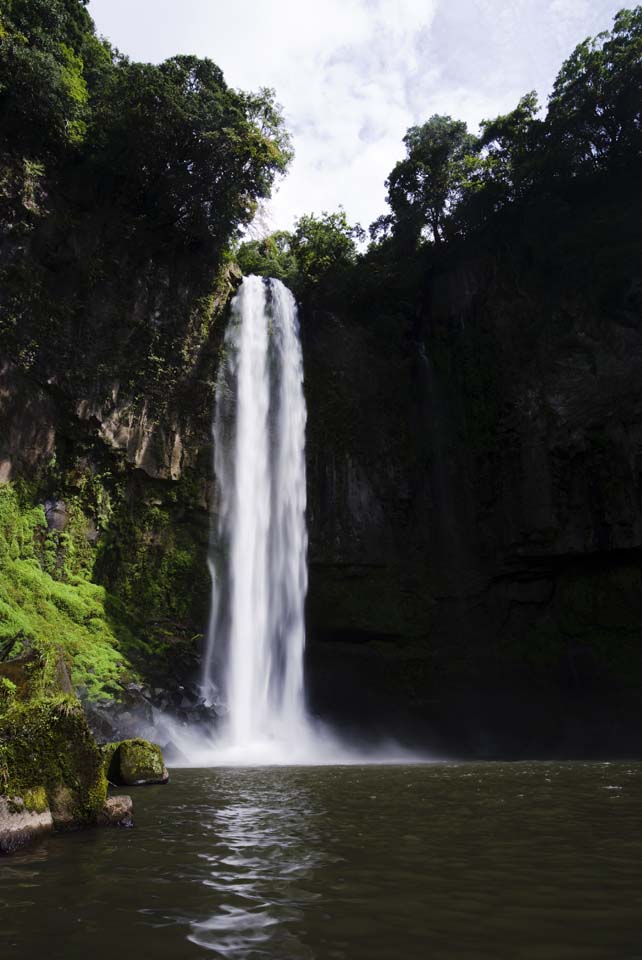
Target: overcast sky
353, 75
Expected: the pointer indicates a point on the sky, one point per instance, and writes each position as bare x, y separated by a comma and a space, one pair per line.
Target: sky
353, 75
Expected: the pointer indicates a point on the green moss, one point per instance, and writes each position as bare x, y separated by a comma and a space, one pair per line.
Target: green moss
107, 751
48, 602
35, 799
147, 548
49, 758
7, 693
133, 762
153, 560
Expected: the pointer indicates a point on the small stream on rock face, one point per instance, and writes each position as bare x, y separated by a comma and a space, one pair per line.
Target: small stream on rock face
521, 861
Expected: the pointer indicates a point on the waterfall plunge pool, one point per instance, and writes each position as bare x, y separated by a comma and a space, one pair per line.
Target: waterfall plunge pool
442, 861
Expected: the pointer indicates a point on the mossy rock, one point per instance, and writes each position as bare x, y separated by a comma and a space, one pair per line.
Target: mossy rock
48, 756
134, 763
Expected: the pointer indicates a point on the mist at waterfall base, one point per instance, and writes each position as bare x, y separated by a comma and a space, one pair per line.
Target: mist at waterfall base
253, 661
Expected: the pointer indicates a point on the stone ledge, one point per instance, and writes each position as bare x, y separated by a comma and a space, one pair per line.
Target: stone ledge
20, 826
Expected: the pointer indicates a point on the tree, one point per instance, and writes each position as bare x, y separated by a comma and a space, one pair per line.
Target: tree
323, 247
44, 98
48, 23
424, 187
271, 256
184, 153
595, 111
508, 148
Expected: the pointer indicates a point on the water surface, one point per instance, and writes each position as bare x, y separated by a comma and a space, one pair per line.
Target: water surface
523, 861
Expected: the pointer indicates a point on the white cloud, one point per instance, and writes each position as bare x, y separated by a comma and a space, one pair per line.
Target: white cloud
353, 75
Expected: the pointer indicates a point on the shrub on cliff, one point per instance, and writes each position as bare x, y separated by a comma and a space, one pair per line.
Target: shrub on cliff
45, 48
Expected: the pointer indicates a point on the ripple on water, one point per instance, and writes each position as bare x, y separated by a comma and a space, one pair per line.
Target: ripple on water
466, 861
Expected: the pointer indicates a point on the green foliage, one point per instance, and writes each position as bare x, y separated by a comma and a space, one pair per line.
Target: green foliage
49, 604
504, 163
270, 257
43, 93
595, 111
48, 23
318, 254
324, 247
181, 151
425, 186
7, 694
172, 145
153, 559
452, 184
131, 180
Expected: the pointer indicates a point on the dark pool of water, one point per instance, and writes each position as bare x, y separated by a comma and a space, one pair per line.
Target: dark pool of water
523, 861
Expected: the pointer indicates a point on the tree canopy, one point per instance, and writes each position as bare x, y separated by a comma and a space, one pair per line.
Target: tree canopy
595, 110
318, 249
451, 182
424, 187
182, 150
173, 146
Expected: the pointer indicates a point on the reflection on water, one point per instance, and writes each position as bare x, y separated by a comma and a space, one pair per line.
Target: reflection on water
447, 862
265, 847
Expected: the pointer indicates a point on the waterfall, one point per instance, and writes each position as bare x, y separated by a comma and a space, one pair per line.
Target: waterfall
254, 650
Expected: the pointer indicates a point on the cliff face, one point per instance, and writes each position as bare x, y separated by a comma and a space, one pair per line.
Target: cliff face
476, 524
106, 390
474, 474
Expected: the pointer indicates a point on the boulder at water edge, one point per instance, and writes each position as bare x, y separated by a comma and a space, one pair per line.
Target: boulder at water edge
134, 763
51, 773
117, 812
23, 819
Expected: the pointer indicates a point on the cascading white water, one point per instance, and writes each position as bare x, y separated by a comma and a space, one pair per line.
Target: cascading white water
256, 635
253, 663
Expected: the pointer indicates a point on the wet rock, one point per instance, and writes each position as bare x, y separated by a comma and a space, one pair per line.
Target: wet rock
117, 812
56, 514
135, 763
114, 720
150, 712
23, 820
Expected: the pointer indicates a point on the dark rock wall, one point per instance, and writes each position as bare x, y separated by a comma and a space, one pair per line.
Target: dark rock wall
475, 516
